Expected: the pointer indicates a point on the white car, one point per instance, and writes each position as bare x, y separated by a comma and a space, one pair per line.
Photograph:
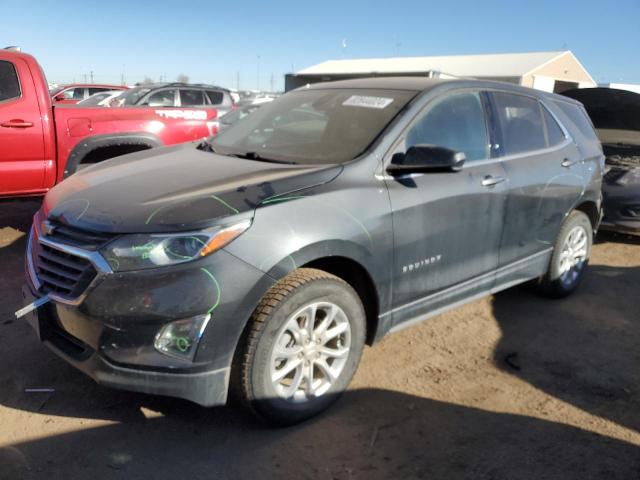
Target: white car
101, 99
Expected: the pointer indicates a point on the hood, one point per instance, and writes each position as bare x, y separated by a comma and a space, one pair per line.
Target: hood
177, 188
614, 113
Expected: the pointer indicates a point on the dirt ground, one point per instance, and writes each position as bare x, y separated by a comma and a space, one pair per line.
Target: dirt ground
512, 386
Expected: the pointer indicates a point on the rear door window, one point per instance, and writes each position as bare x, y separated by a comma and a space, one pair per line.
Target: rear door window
162, 98
97, 90
191, 98
9, 84
520, 122
73, 93
456, 122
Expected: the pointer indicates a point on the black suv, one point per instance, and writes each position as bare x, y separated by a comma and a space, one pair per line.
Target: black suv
177, 95
266, 259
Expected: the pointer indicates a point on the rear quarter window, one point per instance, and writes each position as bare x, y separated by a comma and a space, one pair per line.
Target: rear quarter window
215, 97
579, 118
555, 135
9, 84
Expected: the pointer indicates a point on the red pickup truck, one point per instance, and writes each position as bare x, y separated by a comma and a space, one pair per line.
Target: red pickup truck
41, 144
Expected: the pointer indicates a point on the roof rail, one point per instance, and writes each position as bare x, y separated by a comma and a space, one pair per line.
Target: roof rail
201, 85
13, 48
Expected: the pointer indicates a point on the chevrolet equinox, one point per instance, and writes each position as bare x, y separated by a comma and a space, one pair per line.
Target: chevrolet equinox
261, 262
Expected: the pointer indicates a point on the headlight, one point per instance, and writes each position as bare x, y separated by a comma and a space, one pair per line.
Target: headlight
138, 251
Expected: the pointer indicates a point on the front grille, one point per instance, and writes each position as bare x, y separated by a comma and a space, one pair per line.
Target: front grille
77, 237
57, 268
60, 272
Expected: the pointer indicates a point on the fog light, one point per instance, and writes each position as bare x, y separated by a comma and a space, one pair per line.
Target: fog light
180, 338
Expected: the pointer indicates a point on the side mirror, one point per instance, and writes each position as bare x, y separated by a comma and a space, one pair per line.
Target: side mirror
59, 97
426, 158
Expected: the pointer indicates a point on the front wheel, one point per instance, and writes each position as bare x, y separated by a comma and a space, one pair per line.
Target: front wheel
303, 347
570, 256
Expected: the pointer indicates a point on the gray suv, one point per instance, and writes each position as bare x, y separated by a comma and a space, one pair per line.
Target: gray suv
177, 95
262, 261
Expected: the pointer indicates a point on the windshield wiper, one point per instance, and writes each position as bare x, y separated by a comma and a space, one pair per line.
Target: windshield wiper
205, 145
258, 157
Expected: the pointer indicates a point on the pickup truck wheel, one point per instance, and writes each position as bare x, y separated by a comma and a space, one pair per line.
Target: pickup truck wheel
570, 256
303, 347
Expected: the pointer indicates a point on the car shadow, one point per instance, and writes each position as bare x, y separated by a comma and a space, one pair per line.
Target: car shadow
368, 434
582, 349
614, 237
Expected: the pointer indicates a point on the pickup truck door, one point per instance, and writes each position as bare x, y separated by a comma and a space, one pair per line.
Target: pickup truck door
447, 225
22, 163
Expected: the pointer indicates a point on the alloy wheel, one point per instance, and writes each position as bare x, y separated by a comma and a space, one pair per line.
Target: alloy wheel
310, 352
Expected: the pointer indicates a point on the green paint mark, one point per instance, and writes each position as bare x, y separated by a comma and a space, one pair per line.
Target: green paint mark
235, 210
198, 240
269, 200
364, 229
215, 282
184, 257
147, 247
153, 213
183, 344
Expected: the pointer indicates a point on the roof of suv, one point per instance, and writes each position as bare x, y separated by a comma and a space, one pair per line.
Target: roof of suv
418, 84
153, 86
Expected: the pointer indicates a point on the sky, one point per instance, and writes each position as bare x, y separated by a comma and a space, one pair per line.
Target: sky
254, 43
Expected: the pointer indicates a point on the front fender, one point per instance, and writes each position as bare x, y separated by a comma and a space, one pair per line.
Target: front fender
318, 224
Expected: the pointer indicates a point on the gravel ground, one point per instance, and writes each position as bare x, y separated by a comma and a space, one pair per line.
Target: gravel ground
510, 386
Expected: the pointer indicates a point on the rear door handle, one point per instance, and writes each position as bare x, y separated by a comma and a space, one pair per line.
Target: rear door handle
16, 124
490, 180
566, 163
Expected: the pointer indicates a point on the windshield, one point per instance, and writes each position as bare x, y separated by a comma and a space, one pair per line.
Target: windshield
238, 114
314, 126
132, 96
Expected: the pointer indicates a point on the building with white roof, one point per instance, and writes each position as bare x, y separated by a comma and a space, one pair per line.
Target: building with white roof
549, 71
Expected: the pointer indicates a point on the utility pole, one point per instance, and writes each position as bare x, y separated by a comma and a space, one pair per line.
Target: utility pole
91, 74
271, 82
238, 80
85, 78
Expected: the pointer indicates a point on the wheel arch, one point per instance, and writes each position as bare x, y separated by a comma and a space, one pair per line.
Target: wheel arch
590, 209
358, 277
102, 147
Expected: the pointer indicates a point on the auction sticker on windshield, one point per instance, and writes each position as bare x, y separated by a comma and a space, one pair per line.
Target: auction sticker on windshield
367, 101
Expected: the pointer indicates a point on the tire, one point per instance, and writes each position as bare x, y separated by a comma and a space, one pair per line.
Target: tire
573, 243
278, 344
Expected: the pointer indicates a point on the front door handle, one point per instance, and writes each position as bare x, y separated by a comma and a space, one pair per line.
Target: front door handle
566, 163
490, 180
15, 123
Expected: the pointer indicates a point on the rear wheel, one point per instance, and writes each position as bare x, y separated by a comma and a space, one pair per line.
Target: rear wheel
303, 347
570, 256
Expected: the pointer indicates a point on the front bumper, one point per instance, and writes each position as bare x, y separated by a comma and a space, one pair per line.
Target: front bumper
207, 388
621, 201
109, 330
